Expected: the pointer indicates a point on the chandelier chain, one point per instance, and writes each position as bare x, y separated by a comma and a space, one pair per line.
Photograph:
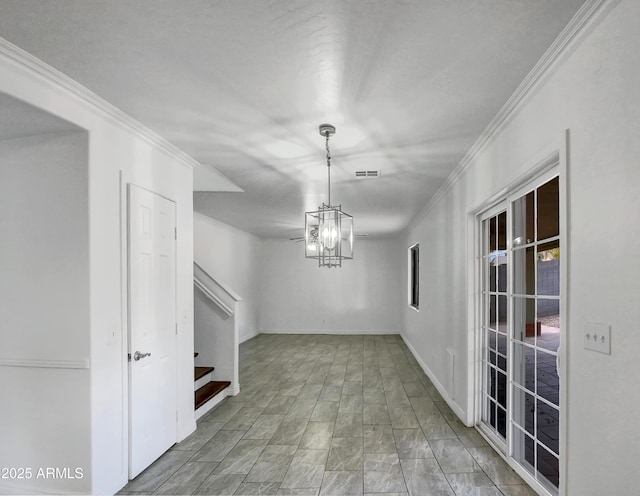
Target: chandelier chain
328, 168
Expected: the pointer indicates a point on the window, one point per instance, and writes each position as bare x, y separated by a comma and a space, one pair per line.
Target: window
414, 276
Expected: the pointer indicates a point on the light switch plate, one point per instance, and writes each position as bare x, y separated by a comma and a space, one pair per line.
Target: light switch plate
597, 337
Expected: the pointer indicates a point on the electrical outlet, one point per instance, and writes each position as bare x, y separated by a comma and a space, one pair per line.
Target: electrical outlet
597, 337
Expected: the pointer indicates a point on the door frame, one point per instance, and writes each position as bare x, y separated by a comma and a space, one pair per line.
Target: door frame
124, 184
555, 156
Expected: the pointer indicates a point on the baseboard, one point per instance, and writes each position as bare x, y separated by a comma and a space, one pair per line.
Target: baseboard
14, 490
328, 331
441, 389
248, 336
184, 432
209, 405
233, 390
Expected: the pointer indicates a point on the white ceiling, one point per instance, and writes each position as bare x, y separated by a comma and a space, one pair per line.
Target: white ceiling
241, 85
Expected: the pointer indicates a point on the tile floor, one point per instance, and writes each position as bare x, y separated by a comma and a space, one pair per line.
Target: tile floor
331, 415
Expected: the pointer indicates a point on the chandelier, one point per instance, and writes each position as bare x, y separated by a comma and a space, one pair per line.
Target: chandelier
328, 230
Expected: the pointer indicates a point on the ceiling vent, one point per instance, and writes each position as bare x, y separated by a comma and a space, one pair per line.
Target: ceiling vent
368, 173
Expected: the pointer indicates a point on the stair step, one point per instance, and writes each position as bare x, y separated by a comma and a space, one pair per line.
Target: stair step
201, 372
209, 390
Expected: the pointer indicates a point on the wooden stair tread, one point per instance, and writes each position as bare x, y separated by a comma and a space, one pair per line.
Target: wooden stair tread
201, 372
209, 390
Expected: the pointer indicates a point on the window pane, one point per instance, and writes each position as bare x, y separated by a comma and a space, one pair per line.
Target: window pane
502, 363
548, 381
524, 367
524, 274
548, 467
548, 210
493, 360
523, 217
493, 312
415, 271
493, 261
492, 234
549, 322
491, 383
548, 261
491, 413
492, 345
548, 426
502, 231
502, 344
501, 421
524, 409
523, 448
501, 258
502, 314
524, 319
501, 386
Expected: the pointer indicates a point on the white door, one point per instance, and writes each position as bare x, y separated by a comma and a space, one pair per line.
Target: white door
152, 327
536, 330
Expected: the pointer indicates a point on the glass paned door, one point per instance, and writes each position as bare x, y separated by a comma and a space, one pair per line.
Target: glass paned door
520, 328
535, 338
495, 325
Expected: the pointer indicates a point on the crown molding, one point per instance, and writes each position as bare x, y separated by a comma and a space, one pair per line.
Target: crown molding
587, 17
92, 101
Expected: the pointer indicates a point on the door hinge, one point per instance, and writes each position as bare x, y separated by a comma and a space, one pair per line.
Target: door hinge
128, 357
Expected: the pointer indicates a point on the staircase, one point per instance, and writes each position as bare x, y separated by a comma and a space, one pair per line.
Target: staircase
206, 389
216, 339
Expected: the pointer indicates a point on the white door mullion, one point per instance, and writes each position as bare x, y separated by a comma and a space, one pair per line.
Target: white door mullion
510, 329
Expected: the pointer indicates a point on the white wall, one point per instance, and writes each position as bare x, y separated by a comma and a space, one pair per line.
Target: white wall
114, 151
44, 306
231, 256
362, 296
120, 151
595, 93
45, 244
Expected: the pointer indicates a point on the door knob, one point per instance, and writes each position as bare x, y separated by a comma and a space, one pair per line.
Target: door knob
138, 356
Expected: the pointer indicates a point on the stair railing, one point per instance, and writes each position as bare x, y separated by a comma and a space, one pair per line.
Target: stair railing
223, 297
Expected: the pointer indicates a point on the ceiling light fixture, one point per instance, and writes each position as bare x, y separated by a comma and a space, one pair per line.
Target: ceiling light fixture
328, 231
